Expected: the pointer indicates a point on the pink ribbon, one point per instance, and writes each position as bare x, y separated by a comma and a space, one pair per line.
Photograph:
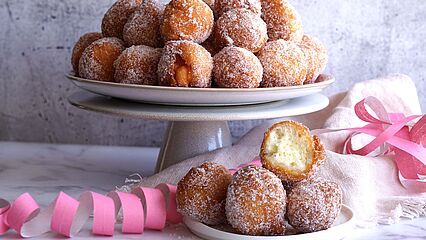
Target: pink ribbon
392, 134
66, 216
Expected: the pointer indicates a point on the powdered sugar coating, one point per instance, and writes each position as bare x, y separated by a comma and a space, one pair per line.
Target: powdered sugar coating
138, 65
201, 193
284, 64
236, 67
241, 28
222, 6
316, 55
314, 205
191, 55
117, 16
81, 45
143, 27
282, 19
97, 60
256, 202
187, 20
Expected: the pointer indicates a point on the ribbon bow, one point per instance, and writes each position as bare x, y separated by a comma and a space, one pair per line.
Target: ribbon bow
392, 133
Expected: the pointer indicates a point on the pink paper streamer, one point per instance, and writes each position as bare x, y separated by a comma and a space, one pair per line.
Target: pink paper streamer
393, 135
66, 216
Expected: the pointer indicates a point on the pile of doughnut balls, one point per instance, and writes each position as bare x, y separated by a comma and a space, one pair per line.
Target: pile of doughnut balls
276, 198
201, 44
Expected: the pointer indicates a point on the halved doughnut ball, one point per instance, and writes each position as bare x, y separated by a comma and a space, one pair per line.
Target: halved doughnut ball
138, 65
291, 152
284, 64
316, 54
185, 64
97, 60
282, 20
81, 45
314, 205
256, 202
241, 28
187, 20
222, 6
143, 27
236, 67
201, 194
117, 16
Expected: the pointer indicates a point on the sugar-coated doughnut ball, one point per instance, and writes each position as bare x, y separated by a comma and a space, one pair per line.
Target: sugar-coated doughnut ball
201, 194
316, 56
282, 19
187, 20
80, 46
185, 64
236, 67
256, 202
284, 64
117, 16
222, 6
291, 152
314, 205
138, 65
241, 28
143, 27
97, 60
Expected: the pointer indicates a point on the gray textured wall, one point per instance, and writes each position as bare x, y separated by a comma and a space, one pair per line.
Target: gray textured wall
366, 38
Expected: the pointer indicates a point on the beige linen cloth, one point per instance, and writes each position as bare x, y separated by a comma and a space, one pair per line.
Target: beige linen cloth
370, 184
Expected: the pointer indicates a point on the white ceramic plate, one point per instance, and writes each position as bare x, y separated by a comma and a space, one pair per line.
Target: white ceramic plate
341, 228
199, 96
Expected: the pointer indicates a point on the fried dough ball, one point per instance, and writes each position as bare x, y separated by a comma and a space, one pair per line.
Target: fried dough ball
187, 20
117, 16
143, 27
138, 65
222, 6
256, 202
201, 194
284, 64
236, 67
185, 64
291, 152
282, 19
317, 58
314, 205
80, 46
241, 28
97, 61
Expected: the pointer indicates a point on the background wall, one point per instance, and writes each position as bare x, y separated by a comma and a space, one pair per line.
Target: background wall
366, 38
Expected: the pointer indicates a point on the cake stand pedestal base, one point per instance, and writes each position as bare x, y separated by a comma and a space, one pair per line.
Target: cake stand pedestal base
184, 140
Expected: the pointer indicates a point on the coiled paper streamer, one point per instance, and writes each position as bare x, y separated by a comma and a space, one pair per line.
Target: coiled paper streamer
144, 208
393, 135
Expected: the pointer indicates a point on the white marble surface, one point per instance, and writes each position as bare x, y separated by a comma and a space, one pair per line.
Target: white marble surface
44, 170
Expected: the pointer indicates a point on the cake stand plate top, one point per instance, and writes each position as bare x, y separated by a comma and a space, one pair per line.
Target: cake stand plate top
270, 110
200, 96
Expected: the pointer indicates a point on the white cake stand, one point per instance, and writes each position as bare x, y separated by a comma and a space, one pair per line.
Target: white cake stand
195, 130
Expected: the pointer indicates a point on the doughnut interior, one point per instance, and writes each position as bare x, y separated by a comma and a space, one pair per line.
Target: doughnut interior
291, 152
289, 148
